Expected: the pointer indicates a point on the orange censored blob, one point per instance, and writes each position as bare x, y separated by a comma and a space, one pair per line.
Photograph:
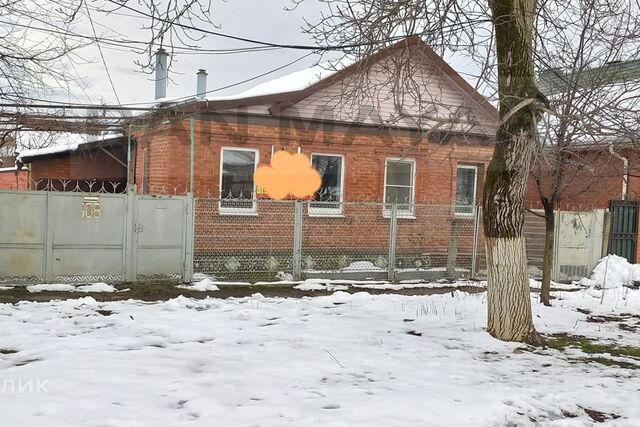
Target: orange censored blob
289, 174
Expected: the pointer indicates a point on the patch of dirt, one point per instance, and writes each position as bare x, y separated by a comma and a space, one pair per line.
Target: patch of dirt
628, 328
26, 362
104, 312
165, 291
603, 319
598, 416
590, 346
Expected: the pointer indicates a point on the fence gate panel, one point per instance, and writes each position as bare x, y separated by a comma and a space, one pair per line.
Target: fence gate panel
160, 237
87, 235
578, 243
90, 237
624, 228
23, 219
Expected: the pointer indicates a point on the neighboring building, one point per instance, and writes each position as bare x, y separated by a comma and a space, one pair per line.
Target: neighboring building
13, 179
602, 164
603, 158
98, 164
10, 177
594, 177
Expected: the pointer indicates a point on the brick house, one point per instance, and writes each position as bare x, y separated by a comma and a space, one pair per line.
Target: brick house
431, 161
361, 144
423, 142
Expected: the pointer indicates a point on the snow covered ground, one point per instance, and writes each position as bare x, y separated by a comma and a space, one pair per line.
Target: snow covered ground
337, 360
65, 287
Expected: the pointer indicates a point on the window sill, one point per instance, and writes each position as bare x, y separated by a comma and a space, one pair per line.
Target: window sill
399, 216
325, 212
464, 215
222, 212
325, 215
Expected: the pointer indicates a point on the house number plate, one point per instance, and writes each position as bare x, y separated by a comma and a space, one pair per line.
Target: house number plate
91, 208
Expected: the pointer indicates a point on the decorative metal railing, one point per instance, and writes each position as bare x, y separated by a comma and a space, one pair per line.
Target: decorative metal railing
80, 186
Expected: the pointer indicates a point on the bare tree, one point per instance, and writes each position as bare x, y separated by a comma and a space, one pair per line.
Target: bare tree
40, 44
587, 53
500, 36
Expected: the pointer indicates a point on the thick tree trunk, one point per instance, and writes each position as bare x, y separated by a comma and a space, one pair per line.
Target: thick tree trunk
508, 297
547, 260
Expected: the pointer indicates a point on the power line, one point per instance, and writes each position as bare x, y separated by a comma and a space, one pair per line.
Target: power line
133, 106
259, 42
182, 50
104, 62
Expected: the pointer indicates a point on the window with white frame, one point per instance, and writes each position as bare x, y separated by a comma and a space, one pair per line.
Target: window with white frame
237, 190
466, 181
399, 185
327, 200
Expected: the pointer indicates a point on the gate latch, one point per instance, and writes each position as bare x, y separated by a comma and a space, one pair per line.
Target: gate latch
137, 227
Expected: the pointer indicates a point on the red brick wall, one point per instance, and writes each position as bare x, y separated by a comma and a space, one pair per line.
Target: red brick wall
362, 229
166, 149
84, 165
14, 180
594, 183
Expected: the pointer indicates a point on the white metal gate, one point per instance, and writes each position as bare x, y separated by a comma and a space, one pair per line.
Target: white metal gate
88, 237
579, 238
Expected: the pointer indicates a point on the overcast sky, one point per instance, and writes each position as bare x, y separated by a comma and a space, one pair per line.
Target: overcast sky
265, 20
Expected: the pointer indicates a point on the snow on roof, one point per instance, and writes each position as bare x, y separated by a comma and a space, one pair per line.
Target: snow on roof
11, 168
298, 80
72, 144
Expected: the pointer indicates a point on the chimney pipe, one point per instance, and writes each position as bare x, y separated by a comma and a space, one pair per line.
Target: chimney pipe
161, 73
201, 87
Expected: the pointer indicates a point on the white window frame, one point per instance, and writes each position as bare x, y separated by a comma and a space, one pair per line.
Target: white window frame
475, 191
400, 213
222, 210
319, 212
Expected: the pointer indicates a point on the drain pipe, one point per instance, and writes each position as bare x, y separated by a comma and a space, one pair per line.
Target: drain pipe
625, 170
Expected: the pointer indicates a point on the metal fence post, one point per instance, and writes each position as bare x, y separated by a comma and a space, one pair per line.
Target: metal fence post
393, 231
474, 249
130, 238
297, 241
48, 242
555, 268
189, 227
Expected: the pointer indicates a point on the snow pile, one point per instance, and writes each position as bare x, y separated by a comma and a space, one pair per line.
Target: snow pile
203, 285
96, 287
321, 285
343, 359
65, 287
335, 285
537, 284
312, 285
411, 284
51, 287
612, 271
361, 266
